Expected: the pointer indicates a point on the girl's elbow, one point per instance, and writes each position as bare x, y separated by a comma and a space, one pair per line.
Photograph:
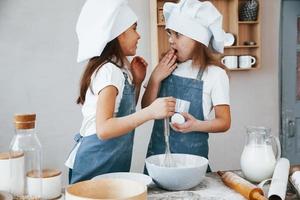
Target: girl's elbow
102, 134
226, 127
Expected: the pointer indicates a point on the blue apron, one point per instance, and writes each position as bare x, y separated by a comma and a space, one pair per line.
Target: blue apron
95, 156
195, 143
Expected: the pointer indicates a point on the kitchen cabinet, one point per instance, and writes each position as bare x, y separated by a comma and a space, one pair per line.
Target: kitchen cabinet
243, 31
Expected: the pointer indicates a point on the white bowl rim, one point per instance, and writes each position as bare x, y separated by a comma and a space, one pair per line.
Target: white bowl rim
187, 167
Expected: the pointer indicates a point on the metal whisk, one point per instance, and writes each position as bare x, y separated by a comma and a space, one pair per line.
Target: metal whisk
168, 160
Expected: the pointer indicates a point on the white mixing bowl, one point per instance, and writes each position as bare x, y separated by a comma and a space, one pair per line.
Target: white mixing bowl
189, 171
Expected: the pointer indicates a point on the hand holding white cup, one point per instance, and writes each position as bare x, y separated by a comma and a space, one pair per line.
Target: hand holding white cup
181, 106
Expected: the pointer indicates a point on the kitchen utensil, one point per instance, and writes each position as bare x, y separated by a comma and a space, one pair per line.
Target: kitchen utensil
181, 106
246, 62
189, 171
25, 140
231, 62
14, 164
242, 186
168, 161
111, 189
279, 180
141, 178
229, 39
51, 183
249, 11
258, 160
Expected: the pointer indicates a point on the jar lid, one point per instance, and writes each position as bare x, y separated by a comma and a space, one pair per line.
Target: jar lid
45, 173
7, 155
25, 121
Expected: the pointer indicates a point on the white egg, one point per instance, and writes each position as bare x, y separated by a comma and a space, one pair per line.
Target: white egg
177, 118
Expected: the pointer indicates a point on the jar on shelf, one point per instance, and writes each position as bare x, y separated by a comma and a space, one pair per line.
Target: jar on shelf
26, 143
249, 11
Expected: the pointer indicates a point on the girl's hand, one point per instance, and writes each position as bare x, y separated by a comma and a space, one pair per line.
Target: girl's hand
162, 107
188, 126
165, 67
138, 70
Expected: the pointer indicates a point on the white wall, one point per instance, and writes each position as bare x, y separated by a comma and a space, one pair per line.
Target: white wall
254, 95
39, 74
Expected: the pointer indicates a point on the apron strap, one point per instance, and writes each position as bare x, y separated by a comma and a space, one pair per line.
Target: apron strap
200, 73
77, 137
125, 75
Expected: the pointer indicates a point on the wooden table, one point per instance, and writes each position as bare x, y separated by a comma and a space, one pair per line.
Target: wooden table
211, 188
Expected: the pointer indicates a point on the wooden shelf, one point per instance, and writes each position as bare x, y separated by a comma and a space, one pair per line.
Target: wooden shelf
242, 46
248, 22
240, 69
242, 30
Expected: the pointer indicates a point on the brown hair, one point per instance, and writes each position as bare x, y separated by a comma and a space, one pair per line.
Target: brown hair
112, 49
203, 56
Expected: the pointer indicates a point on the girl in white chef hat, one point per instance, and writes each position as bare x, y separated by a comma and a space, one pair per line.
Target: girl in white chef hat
199, 78
109, 90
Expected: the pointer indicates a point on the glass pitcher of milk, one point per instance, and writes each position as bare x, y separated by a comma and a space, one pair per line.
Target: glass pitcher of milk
258, 159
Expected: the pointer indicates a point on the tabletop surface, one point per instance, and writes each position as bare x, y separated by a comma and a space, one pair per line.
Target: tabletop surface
211, 188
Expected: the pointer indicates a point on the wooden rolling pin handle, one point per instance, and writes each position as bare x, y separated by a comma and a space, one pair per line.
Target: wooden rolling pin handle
242, 186
256, 194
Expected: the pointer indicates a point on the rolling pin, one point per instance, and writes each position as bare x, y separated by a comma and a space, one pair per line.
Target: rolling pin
242, 186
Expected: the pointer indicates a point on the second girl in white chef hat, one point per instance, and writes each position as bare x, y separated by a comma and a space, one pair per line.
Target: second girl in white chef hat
199, 78
109, 89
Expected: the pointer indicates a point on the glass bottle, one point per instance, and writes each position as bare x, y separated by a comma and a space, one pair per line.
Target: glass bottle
26, 175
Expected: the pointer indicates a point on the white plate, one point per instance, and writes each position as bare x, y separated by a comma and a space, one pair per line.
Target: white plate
141, 178
229, 39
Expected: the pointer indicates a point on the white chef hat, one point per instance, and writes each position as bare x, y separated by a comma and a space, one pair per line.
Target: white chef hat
99, 22
200, 21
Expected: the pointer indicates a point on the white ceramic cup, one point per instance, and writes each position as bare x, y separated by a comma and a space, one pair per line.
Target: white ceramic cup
7, 183
51, 184
246, 62
182, 106
231, 62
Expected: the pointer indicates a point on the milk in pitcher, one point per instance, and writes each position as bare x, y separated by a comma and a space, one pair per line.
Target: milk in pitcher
258, 162
258, 159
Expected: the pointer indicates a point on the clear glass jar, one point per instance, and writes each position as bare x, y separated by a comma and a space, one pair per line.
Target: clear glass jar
25, 173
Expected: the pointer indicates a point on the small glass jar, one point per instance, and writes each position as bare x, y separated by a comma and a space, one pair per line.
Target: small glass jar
26, 144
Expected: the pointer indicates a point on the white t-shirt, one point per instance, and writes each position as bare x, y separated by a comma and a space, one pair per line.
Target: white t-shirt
108, 74
215, 84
